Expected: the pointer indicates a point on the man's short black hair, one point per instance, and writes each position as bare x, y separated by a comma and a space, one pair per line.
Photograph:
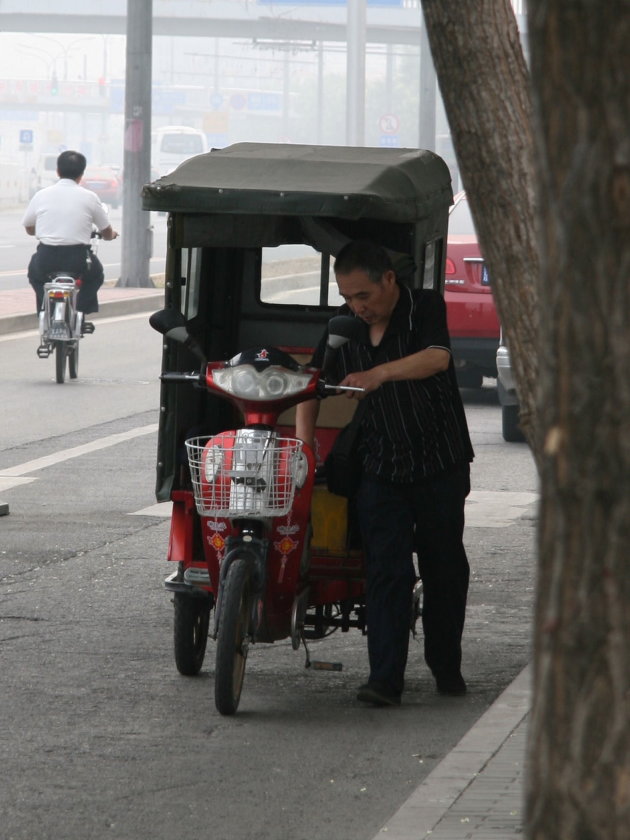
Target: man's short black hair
364, 255
71, 165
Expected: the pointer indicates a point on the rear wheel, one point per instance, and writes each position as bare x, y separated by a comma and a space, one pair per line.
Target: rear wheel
60, 361
191, 622
73, 360
232, 638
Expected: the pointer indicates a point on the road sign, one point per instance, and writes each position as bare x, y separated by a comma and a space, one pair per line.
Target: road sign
26, 136
389, 124
216, 99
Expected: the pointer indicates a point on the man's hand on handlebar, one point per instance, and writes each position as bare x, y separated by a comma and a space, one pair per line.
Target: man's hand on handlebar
108, 233
362, 382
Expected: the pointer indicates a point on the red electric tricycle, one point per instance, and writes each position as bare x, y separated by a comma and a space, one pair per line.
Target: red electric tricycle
263, 551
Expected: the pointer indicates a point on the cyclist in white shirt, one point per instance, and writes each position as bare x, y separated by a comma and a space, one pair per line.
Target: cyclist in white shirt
62, 217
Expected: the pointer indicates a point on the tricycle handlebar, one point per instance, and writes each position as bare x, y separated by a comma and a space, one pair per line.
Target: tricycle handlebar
183, 377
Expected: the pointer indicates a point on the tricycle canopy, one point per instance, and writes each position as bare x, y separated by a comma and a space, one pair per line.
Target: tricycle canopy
398, 185
252, 232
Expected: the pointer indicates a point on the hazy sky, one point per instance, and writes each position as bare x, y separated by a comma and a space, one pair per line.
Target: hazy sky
35, 56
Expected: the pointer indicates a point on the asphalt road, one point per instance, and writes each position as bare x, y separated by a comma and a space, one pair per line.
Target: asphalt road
101, 737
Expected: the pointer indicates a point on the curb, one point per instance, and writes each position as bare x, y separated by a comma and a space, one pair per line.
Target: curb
427, 805
108, 308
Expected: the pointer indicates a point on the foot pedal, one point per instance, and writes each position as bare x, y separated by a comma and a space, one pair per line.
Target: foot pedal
44, 351
325, 666
87, 328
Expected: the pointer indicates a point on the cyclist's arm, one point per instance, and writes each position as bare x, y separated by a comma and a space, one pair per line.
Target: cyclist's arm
30, 229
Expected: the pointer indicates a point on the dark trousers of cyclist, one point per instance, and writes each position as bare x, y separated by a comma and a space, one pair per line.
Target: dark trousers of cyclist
73, 259
395, 520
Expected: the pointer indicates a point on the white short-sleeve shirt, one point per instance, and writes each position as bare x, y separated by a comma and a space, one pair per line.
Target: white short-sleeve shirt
65, 214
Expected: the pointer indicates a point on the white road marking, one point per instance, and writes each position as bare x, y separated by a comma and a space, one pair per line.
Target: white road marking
160, 509
13, 476
484, 508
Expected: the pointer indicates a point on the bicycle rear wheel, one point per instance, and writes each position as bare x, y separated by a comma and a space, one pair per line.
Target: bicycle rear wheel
60, 361
73, 360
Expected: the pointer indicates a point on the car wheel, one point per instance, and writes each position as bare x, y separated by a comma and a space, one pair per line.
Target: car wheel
510, 420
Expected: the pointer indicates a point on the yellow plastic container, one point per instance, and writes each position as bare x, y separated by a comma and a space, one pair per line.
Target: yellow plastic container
329, 518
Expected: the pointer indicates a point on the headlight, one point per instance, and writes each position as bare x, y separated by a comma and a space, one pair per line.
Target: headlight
272, 383
212, 460
299, 468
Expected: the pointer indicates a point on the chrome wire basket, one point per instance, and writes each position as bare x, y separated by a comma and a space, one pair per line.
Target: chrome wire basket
248, 472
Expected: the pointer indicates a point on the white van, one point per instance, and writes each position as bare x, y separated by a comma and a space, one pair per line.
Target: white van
173, 144
44, 173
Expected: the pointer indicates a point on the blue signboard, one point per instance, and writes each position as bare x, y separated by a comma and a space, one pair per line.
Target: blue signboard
26, 136
264, 101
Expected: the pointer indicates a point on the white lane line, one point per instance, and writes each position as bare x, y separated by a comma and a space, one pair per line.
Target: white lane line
13, 476
484, 508
160, 509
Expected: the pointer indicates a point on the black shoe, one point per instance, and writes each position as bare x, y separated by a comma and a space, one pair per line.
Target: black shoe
452, 685
378, 695
87, 328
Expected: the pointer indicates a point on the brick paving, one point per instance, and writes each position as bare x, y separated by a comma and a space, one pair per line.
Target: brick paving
476, 792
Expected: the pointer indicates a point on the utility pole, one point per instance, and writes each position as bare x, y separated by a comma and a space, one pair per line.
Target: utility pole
136, 231
355, 73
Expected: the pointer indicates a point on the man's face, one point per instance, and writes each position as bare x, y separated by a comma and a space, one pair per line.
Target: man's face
372, 302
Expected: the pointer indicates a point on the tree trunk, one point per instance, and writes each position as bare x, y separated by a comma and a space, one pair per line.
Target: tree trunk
578, 785
485, 88
579, 780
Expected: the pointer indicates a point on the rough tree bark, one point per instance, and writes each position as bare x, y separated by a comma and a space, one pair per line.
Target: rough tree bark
579, 786
579, 743
484, 84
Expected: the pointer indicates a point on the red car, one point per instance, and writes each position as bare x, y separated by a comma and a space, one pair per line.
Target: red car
105, 182
472, 318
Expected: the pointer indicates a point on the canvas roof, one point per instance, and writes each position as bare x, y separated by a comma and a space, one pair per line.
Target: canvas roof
399, 185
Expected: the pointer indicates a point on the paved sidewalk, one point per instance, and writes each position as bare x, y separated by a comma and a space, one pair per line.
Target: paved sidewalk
17, 306
476, 792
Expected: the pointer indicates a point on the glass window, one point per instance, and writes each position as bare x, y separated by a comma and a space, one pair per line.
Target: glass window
428, 276
182, 144
190, 269
460, 220
291, 275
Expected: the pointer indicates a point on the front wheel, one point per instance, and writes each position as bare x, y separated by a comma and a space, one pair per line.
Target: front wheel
233, 637
190, 624
60, 361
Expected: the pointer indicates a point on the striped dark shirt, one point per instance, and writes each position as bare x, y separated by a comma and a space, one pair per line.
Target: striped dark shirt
413, 429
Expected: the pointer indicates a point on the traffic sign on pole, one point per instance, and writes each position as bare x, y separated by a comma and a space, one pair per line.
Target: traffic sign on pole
389, 124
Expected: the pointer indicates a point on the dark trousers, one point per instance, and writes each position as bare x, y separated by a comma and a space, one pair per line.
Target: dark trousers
395, 520
73, 259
